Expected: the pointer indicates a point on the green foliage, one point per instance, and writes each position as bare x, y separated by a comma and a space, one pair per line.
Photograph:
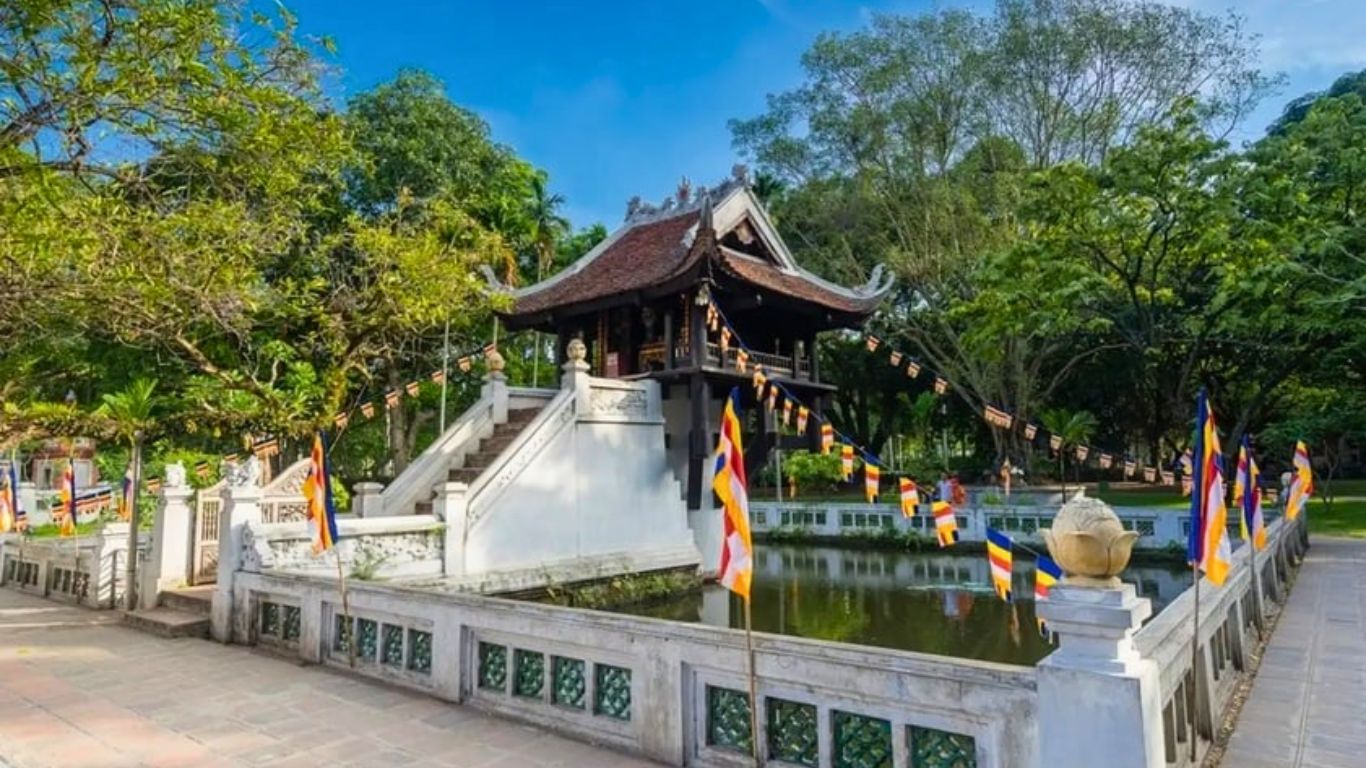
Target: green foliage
813, 472
631, 589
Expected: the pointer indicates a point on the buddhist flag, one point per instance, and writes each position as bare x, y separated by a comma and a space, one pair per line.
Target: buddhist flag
464, 364
910, 497
827, 438
412, 388
322, 510
391, 399
1130, 466
1247, 496
772, 397
1046, 574
66, 506
803, 413
759, 379
1208, 546
941, 385
202, 469
1168, 478
153, 485
847, 461
787, 411
945, 524
9, 500
438, 377
997, 417
913, 369
488, 349
728, 482
725, 344
1106, 461
368, 410
1187, 470
266, 449
741, 360
1055, 442
872, 477
872, 342
894, 358
1302, 485
1150, 474
341, 420
1082, 452
126, 495
1030, 430
1002, 562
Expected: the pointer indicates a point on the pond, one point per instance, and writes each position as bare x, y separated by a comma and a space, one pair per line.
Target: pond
928, 602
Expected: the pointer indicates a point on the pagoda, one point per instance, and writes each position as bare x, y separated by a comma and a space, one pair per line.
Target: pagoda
639, 301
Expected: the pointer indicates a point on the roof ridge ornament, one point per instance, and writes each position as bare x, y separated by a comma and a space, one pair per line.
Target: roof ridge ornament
686, 199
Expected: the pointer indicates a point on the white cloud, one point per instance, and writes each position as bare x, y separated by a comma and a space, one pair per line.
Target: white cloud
1301, 35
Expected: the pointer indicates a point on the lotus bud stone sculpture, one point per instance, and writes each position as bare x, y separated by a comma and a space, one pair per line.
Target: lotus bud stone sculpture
495, 361
1089, 543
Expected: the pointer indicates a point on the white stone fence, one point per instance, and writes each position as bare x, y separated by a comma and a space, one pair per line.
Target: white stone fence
1158, 528
669, 691
87, 570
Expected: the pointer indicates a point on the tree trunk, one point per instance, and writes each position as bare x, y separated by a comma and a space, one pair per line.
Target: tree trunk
400, 442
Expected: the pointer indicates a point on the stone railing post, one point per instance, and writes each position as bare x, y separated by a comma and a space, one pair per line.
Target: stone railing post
172, 545
576, 375
452, 506
241, 507
496, 386
366, 499
1098, 699
1100, 702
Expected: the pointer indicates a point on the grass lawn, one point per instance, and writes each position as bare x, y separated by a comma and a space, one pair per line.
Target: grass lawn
1348, 518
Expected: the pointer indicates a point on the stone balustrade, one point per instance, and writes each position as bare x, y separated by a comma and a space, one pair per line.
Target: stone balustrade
87, 570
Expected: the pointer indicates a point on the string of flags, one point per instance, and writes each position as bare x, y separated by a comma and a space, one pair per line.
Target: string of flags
394, 397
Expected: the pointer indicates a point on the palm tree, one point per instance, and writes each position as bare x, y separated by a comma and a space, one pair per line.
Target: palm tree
1075, 428
547, 227
132, 414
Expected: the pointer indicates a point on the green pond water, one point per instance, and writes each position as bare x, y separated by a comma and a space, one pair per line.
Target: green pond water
925, 602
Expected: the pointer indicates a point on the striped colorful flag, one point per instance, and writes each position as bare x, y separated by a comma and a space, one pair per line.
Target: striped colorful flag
872, 481
945, 523
266, 448
8, 497
787, 412
913, 369
1046, 574
1247, 496
910, 497
16, 504
941, 385
997, 417
464, 364
1302, 485
202, 469
391, 399
1208, 546
728, 481
803, 413
772, 397
741, 360
894, 359
725, 343
759, 380
1106, 461
1187, 471
488, 349
340, 421
1082, 452
1030, 430
872, 342
412, 388
847, 461
827, 438
65, 511
1130, 466
1002, 562
322, 510
126, 496
1055, 442
1150, 474
438, 377
367, 410
153, 485
1168, 477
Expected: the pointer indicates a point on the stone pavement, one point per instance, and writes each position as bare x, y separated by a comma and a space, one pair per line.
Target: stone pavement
78, 689
1305, 709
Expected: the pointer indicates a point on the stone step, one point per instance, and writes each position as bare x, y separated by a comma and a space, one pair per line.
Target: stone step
423, 508
466, 475
197, 600
168, 622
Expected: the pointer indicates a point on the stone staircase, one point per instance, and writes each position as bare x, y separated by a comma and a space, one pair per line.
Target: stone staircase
487, 452
179, 613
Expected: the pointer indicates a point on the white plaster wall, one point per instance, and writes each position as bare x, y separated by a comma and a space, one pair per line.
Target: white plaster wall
597, 488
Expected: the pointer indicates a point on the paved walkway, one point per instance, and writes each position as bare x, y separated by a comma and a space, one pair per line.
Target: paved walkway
77, 689
1306, 703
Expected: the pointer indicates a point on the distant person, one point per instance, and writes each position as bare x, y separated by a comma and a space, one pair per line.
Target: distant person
957, 493
1006, 474
945, 490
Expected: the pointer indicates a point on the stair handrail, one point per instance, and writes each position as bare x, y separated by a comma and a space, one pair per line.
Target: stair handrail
555, 416
416, 481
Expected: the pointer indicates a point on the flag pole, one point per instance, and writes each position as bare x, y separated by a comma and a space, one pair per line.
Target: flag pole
753, 684
1195, 663
346, 609
445, 371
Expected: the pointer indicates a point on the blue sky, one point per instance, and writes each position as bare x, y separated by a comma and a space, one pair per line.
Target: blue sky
616, 99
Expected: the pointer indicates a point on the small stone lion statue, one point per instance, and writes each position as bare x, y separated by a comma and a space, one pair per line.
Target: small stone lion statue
175, 475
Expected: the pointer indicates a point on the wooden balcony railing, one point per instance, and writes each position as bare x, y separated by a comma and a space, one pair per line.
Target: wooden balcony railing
652, 357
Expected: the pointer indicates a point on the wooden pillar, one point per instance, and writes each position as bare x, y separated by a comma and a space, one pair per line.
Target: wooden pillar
699, 394
811, 353
668, 339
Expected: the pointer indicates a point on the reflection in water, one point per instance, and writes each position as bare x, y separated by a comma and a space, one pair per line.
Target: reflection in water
932, 603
